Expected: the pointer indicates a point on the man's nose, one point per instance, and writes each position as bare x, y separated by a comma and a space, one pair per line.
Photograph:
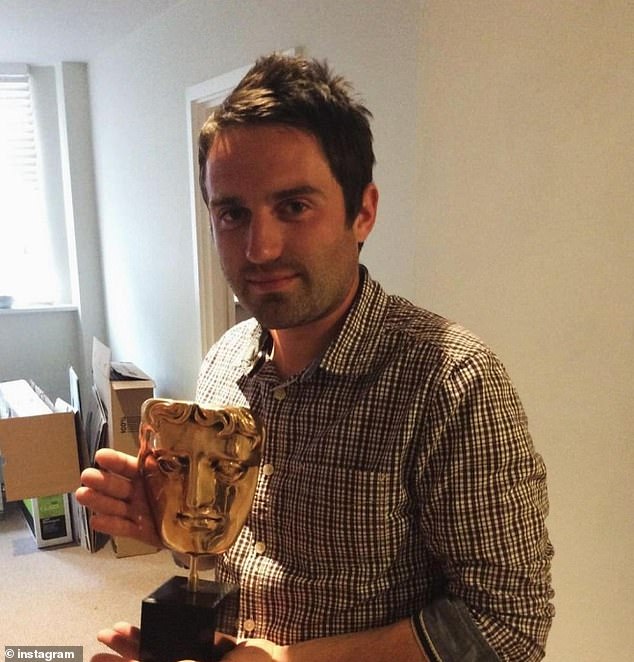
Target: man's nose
201, 486
265, 238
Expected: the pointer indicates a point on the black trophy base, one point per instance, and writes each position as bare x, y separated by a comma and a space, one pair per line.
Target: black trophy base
177, 624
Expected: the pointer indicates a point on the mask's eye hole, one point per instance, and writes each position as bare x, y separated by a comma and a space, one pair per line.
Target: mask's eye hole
171, 464
229, 470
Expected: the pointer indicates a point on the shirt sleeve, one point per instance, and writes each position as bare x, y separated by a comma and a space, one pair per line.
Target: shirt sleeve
482, 488
446, 631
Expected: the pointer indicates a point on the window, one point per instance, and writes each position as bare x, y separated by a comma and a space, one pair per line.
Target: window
27, 271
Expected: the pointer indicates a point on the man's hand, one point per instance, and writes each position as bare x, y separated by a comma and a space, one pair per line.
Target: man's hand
255, 650
115, 494
391, 642
123, 639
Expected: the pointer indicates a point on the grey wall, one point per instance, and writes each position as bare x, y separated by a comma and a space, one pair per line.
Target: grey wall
40, 346
526, 236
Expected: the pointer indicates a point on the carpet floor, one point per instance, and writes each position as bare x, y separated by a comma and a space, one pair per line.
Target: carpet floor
63, 596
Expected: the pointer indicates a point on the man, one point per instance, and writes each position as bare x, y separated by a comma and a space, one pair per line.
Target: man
400, 510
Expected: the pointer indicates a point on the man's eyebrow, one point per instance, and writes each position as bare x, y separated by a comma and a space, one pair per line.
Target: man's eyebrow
225, 201
305, 189
276, 196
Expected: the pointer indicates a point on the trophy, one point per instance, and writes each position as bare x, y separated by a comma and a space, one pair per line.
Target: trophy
199, 467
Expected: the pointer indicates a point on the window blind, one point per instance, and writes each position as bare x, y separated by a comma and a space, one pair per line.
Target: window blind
26, 266
18, 156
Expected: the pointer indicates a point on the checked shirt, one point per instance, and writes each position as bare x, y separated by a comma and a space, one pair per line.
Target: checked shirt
398, 481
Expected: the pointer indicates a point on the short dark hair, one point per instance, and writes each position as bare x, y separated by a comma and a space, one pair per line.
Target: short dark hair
303, 93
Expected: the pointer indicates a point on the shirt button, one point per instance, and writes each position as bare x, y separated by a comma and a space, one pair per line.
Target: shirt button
259, 547
249, 625
279, 394
268, 469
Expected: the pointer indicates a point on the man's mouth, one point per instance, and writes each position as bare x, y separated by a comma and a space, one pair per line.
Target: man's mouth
270, 282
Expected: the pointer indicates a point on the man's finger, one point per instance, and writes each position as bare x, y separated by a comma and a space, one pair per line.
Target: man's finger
142, 530
109, 657
102, 503
123, 639
117, 462
105, 483
115, 526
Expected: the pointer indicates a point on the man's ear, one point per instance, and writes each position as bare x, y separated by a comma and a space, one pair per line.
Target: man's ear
364, 221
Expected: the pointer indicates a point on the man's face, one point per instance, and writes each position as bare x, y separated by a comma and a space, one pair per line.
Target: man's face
278, 222
199, 481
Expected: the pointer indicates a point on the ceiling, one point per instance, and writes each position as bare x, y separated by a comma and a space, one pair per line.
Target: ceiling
50, 31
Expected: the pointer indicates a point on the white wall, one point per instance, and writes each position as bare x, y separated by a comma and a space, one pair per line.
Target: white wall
504, 145
526, 236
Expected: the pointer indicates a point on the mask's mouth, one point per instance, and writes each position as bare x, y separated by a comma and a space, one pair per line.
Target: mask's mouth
202, 522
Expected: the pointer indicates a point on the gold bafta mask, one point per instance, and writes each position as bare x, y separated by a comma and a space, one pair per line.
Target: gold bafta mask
200, 468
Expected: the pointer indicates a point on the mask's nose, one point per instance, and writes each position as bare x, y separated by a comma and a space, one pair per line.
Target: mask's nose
201, 485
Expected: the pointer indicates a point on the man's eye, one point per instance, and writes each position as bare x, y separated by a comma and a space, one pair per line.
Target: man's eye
293, 208
229, 470
170, 465
232, 216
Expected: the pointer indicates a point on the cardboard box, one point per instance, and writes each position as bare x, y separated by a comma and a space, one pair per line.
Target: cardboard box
123, 388
49, 519
38, 445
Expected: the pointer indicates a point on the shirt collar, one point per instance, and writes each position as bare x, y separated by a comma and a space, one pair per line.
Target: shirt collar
355, 350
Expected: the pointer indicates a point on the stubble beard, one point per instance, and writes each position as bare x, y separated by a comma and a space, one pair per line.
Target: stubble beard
284, 310
281, 310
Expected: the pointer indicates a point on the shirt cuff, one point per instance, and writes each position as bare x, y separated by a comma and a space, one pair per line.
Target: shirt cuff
446, 632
